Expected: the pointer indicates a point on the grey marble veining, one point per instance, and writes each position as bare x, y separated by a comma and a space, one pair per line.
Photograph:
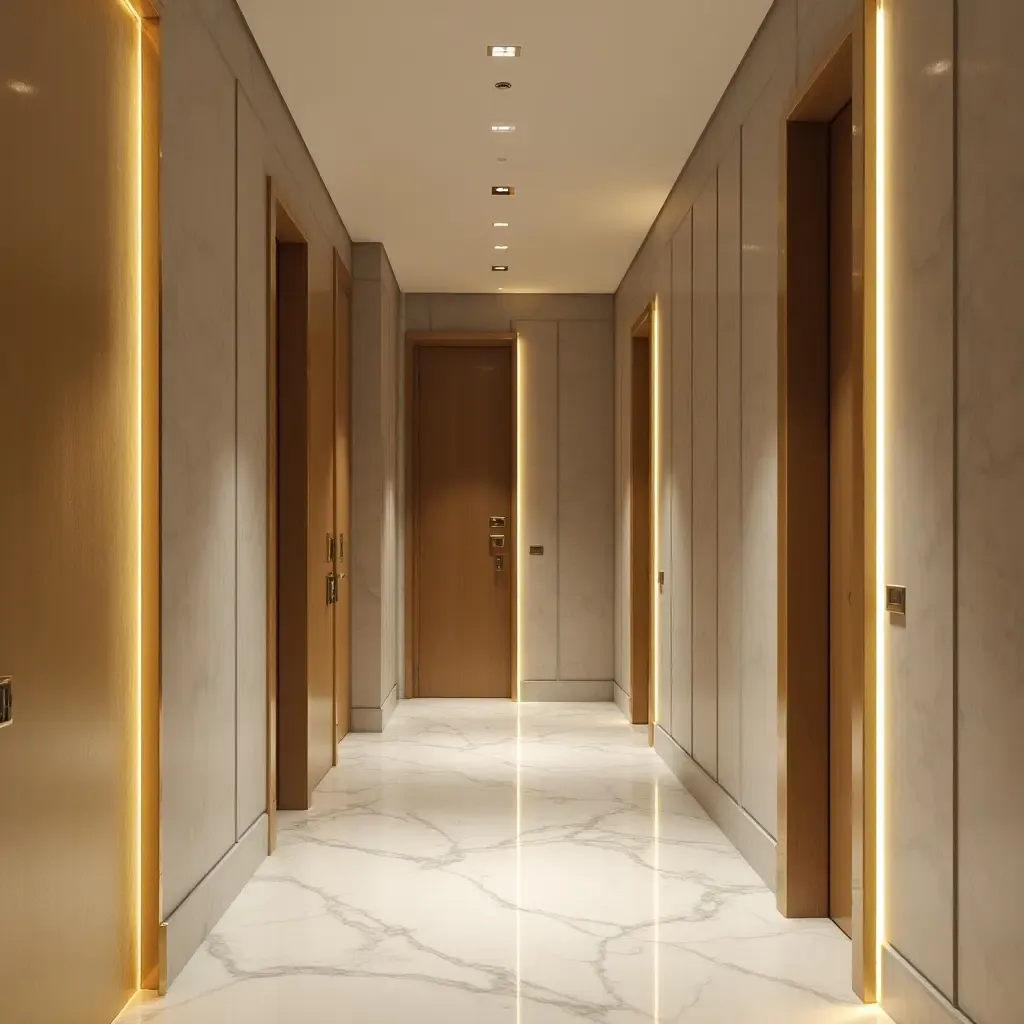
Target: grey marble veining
484, 861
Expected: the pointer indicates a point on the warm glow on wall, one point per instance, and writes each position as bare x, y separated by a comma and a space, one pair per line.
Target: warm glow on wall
520, 478
656, 524
136, 129
881, 156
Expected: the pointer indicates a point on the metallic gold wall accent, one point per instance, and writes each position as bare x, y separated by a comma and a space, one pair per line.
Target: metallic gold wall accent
76, 628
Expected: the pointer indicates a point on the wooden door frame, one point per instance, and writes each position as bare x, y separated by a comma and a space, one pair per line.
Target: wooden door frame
848, 73
282, 226
342, 280
414, 341
642, 331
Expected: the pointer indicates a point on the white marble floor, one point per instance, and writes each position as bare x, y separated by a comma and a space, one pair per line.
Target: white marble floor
482, 862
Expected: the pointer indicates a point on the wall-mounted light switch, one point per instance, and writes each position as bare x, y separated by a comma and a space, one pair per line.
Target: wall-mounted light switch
896, 600
6, 701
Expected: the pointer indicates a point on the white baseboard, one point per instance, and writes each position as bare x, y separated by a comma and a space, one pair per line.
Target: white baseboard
753, 843
196, 916
621, 699
909, 998
375, 719
571, 690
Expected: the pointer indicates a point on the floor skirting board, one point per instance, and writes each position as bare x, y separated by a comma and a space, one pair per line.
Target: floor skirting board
621, 699
756, 846
191, 922
909, 998
375, 719
584, 690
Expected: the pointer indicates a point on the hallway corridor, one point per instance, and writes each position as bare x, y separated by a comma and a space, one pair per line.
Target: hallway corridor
487, 862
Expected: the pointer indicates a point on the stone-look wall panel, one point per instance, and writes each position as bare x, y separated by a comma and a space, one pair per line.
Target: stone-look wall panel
759, 499
198, 458
216, 89
679, 483
730, 533
919, 462
990, 496
538, 498
585, 520
705, 478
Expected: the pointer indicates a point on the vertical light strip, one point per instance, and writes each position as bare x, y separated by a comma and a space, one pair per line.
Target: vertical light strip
656, 506
139, 170
881, 340
520, 476
139, 128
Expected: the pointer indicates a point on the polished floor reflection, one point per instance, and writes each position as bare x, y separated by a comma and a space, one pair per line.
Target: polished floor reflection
483, 862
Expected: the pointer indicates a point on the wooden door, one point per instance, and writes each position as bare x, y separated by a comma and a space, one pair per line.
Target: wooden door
342, 503
463, 477
845, 565
640, 536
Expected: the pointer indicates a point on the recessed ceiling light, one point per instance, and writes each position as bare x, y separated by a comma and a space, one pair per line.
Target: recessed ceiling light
503, 129
502, 190
501, 247
500, 266
502, 85
500, 224
21, 88
504, 51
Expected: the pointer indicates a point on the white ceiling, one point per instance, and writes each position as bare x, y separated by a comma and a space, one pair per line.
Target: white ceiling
396, 99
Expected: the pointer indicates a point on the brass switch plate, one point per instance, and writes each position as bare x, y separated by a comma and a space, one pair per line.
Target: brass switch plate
497, 540
536, 549
6, 701
896, 600
498, 522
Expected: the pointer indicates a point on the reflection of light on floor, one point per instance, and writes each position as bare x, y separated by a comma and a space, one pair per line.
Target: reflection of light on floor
657, 902
519, 862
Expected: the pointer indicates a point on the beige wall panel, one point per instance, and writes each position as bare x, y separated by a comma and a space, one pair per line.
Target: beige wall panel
730, 565
663, 497
919, 531
68, 478
468, 313
585, 500
214, 313
198, 457
991, 509
251, 627
705, 478
392, 648
367, 491
321, 493
759, 463
819, 24
538, 498
417, 312
680, 484
226, 23
773, 46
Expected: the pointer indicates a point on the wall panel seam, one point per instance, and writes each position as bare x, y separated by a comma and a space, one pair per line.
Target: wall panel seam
235, 311
956, 503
